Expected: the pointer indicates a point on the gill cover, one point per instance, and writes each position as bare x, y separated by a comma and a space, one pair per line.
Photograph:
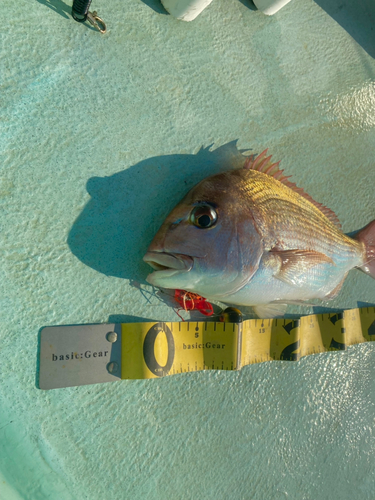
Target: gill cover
238, 253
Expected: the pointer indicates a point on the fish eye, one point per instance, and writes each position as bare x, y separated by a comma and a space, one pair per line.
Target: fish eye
203, 216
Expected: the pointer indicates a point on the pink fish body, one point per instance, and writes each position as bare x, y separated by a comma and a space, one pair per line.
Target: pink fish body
251, 237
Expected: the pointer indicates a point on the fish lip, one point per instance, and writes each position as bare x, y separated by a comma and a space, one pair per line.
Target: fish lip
168, 263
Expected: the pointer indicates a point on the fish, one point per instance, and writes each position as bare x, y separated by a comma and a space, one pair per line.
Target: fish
251, 237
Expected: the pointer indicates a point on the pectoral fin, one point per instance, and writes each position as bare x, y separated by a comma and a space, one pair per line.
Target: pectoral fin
294, 265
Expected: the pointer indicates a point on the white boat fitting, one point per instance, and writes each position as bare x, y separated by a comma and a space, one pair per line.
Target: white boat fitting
270, 7
186, 10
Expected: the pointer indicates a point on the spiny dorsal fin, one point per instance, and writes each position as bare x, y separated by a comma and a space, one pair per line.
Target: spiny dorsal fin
262, 163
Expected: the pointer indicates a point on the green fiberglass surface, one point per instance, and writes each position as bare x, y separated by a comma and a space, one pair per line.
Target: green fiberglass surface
101, 135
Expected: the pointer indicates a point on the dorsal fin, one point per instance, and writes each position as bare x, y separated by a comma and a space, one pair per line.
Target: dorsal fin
262, 163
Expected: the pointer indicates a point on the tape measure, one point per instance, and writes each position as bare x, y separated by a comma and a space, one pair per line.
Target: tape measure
87, 354
151, 350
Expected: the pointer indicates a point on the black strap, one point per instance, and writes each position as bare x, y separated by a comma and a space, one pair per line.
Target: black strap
80, 9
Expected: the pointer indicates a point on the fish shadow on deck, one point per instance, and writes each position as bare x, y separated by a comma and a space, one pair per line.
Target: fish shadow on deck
113, 231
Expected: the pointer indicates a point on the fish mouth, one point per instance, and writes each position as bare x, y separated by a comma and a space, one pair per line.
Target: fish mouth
168, 264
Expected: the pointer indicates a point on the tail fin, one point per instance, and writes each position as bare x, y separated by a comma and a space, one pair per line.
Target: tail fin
367, 237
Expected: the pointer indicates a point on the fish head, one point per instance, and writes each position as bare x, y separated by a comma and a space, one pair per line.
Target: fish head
209, 243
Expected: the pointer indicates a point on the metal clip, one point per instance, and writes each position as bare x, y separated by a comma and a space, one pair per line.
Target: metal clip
95, 20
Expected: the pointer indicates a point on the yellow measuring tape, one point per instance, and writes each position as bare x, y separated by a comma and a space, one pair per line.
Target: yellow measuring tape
152, 350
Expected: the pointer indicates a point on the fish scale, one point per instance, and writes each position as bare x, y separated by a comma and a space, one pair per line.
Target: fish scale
307, 220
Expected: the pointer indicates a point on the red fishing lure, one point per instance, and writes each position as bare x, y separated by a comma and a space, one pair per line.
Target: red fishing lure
190, 301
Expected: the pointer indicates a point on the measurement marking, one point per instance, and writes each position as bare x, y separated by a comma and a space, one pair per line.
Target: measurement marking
215, 326
179, 326
223, 327
205, 325
188, 325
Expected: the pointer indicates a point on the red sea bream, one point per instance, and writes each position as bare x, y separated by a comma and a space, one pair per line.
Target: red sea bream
251, 237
